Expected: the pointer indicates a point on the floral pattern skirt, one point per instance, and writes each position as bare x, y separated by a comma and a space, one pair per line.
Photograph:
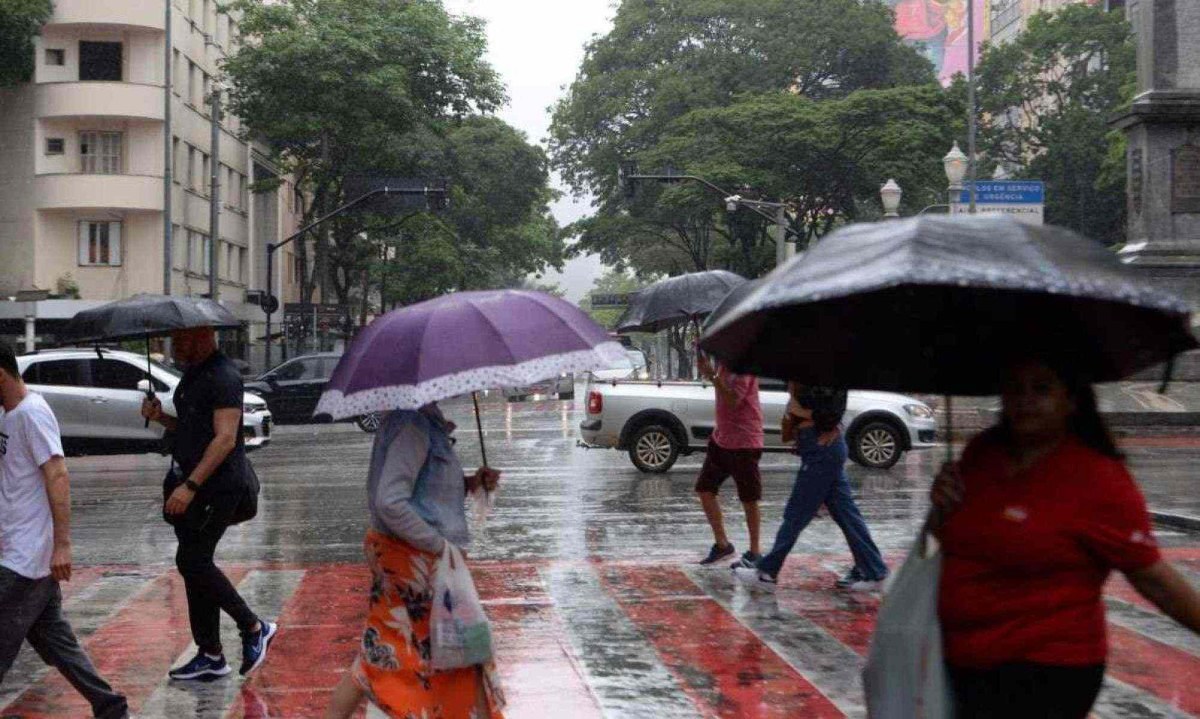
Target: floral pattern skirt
393, 663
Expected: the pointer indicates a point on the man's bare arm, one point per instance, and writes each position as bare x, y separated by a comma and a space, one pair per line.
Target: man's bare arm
58, 489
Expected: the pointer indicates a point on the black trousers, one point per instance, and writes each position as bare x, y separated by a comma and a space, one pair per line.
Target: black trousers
1026, 690
209, 591
31, 610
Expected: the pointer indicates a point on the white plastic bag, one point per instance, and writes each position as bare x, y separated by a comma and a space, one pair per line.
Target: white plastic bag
481, 502
459, 632
905, 676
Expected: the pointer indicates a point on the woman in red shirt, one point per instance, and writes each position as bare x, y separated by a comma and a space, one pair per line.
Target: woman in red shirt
1031, 521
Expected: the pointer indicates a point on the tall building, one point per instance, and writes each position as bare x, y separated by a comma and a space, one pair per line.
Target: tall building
1007, 18
82, 159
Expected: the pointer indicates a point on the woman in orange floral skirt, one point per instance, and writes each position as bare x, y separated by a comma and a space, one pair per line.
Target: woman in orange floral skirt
416, 492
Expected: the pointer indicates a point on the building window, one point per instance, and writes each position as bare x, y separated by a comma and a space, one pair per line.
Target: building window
101, 61
55, 145
243, 193
56, 56
176, 62
204, 172
179, 243
229, 257
191, 94
100, 153
205, 255
241, 263
100, 243
191, 167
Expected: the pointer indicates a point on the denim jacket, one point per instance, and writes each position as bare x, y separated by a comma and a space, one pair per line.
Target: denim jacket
415, 488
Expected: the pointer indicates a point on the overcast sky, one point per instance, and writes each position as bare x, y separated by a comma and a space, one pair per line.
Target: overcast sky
536, 46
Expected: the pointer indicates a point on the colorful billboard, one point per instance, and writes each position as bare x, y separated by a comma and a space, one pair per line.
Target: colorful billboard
939, 29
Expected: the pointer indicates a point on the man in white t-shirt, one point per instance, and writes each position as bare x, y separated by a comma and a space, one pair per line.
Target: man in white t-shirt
35, 542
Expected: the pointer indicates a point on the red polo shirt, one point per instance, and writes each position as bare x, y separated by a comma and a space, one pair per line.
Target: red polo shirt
1025, 558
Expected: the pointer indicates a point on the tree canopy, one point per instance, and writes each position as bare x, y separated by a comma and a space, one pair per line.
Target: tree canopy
346, 89
812, 102
20, 23
1047, 97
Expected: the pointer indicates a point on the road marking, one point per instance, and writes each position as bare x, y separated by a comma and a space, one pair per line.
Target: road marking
265, 591
1119, 700
819, 657
620, 665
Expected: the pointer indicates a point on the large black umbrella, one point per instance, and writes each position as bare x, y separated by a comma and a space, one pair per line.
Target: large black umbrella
146, 316
677, 300
143, 316
941, 305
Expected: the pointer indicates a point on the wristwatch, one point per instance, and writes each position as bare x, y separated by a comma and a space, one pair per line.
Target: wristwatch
191, 485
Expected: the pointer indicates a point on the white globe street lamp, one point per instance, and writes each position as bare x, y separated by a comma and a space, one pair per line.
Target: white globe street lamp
890, 194
955, 163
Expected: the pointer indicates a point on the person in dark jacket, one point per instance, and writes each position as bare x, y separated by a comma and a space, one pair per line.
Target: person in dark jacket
813, 422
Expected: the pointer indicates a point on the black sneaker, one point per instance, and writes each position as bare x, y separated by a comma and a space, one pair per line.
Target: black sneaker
202, 668
749, 560
717, 553
255, 646
755, 579
854, 581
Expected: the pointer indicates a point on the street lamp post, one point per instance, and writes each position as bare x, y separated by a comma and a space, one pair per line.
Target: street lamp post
955, 163
890, 195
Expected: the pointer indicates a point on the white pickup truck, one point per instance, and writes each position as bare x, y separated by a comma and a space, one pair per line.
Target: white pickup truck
656, 422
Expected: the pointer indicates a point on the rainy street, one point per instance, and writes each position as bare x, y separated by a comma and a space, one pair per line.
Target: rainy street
586, 567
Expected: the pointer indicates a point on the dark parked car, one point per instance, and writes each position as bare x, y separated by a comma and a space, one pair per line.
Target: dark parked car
293, 389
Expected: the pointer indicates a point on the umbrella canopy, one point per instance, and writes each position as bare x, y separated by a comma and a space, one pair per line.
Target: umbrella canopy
460, 343
677, 300
940, 305
733, 299
147, 315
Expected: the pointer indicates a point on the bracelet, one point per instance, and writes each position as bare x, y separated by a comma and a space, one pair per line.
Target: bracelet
191, 485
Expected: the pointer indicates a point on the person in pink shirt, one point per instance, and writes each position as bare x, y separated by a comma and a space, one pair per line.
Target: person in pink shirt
734, 449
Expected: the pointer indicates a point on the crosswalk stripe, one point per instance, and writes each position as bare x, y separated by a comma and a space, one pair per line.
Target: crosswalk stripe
721, 664
622, 668
1119, 700
87, 606
1153, 626
1154, 667
819, 657
265, 592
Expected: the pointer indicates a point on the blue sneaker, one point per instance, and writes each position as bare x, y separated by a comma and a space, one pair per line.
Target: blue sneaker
717, 553
255, 646
749, 560
202, 668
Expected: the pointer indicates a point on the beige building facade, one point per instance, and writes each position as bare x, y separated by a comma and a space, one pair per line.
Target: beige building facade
1007, 18
82, 155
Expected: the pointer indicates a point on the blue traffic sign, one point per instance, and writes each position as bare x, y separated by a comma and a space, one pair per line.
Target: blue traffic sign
1007, 192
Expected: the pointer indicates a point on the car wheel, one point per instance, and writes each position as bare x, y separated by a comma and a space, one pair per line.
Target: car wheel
653, 448
369, 423
877, 445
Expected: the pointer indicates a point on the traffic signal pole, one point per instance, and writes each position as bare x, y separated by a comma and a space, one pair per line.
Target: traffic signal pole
271, 301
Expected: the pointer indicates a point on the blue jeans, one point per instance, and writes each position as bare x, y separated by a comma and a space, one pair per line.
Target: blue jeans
821, 480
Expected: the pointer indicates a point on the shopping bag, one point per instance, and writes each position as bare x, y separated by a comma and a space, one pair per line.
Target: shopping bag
905, 676
460, 635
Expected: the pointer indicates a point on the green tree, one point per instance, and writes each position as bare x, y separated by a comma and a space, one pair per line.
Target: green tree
612, 282
20, 22
667, 59
1047, 98
346, 87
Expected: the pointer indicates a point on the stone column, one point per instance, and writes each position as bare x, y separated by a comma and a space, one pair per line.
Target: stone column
1163, 160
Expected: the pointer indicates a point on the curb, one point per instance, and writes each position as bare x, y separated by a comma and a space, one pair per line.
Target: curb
1176, 521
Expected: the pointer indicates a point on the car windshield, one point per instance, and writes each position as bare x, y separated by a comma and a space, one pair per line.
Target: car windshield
637, 359
169, 370
623, 363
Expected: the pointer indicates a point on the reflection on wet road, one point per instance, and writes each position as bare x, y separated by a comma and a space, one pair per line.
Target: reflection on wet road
585, 566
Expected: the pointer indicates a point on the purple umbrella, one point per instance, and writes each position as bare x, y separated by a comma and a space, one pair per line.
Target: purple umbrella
461, 343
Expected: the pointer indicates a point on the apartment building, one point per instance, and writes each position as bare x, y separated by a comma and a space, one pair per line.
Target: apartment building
1007, 18
82, 159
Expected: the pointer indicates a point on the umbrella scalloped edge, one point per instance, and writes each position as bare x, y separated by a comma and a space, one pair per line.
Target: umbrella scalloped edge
339, 405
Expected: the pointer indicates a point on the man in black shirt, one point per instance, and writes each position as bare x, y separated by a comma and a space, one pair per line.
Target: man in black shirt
215, 479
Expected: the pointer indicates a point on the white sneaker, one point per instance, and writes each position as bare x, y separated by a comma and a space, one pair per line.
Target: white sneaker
754, 579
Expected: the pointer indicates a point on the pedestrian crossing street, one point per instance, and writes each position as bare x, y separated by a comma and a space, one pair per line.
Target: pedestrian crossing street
574, 639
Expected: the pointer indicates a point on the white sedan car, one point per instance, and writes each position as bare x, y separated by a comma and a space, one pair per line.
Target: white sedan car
97, 397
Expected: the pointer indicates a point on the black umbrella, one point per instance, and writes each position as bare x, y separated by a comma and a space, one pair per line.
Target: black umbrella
677, 300
941, 305
146, 316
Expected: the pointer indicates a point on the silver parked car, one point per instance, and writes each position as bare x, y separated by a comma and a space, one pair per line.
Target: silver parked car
656, 422
97, 397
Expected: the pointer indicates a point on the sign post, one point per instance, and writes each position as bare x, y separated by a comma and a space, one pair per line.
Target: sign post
1024, 200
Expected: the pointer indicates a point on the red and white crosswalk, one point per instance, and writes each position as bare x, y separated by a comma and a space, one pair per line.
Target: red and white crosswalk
575, 639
